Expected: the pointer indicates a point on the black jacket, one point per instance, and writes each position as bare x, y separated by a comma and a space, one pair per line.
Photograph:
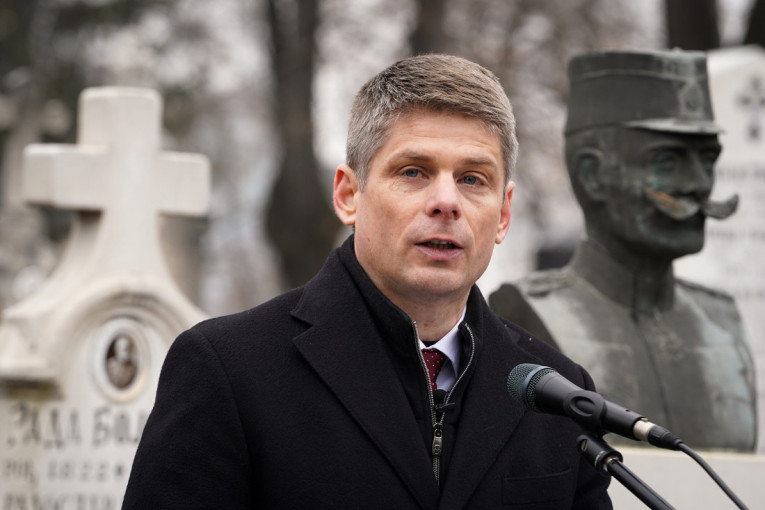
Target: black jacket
317, 399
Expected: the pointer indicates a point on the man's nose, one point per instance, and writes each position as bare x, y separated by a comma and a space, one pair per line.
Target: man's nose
444, 198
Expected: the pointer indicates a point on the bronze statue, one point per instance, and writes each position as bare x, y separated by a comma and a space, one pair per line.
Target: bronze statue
641, 144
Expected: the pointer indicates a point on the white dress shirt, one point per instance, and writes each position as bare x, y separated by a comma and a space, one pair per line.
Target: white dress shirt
450, 346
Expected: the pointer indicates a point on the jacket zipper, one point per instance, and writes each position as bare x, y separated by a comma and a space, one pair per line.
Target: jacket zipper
438, 422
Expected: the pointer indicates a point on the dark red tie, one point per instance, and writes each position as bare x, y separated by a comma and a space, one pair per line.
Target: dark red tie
434, 360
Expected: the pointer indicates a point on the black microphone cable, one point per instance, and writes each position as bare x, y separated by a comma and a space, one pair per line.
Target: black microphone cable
711, 472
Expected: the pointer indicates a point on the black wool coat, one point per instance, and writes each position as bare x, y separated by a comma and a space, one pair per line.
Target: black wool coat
317, 400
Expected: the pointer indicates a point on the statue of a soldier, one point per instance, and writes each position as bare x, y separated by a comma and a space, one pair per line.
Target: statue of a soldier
641, 145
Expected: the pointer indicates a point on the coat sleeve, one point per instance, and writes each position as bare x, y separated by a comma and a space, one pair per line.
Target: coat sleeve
193, 452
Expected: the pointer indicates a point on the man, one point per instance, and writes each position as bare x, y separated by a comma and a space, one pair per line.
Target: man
641, 144
322, 398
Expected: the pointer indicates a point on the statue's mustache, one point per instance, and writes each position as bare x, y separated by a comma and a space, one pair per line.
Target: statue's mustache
682, 208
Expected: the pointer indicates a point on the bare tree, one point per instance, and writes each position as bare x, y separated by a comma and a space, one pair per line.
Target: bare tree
428, 35
692, 24
299, 220
755, 33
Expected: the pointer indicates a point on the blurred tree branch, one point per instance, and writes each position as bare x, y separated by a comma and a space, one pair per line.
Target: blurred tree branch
692, 24
755, 33
300, 221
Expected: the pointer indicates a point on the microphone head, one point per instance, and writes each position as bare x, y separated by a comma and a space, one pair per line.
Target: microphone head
522, 382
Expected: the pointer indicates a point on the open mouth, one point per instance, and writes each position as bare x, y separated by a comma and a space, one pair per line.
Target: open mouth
439, 245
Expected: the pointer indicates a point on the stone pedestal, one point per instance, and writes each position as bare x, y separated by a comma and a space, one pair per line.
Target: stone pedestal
79, 359
684, 484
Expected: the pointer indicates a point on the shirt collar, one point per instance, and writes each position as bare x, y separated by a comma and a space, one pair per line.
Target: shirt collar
450, 344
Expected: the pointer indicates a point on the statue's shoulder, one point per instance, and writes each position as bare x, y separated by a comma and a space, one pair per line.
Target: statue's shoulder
541, 283
702, 291
717, 305
519, 301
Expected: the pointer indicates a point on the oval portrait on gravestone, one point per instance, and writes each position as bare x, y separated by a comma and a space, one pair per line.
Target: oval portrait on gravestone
121, 362
120, 358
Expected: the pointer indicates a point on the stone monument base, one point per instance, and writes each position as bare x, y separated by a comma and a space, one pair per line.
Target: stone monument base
684, 484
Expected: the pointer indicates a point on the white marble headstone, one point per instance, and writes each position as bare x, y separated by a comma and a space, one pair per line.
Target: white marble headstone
733, 258
79, 359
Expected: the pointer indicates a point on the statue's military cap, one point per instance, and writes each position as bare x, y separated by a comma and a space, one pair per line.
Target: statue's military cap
658, 90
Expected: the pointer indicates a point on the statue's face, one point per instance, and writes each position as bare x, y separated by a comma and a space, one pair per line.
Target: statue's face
654, 184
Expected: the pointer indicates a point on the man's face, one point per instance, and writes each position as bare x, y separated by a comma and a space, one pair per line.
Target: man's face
432, 208
657, 176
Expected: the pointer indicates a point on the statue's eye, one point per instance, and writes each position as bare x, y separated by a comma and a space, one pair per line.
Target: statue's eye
708, 158
665, 162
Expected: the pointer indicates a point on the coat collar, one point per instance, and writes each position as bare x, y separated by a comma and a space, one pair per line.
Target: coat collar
342, 344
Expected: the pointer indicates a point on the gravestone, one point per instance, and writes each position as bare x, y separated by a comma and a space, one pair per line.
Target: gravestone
733, 258
79, 359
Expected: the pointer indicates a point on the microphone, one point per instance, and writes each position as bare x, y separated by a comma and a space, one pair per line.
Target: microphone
544, 390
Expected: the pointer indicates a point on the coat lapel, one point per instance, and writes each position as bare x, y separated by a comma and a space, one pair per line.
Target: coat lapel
345, 351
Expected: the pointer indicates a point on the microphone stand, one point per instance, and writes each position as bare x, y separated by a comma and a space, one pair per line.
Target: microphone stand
601, 455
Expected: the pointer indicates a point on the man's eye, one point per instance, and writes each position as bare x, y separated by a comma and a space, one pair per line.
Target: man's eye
411, 172
470, 180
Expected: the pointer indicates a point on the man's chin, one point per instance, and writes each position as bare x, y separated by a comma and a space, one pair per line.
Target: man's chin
436, 285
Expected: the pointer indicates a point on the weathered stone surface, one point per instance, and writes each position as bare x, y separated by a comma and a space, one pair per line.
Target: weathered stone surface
80, 358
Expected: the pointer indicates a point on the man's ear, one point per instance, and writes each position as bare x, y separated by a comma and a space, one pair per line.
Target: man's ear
344, 192
588, 168
504, 215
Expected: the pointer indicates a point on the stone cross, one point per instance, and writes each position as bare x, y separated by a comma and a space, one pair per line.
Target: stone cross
117, 169
79, 360
753, 99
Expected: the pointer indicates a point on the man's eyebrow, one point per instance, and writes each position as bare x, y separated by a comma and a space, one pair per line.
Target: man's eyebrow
410, 155
418, 156
480, 161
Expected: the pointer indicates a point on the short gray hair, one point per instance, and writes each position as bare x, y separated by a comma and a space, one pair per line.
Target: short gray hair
439, 83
